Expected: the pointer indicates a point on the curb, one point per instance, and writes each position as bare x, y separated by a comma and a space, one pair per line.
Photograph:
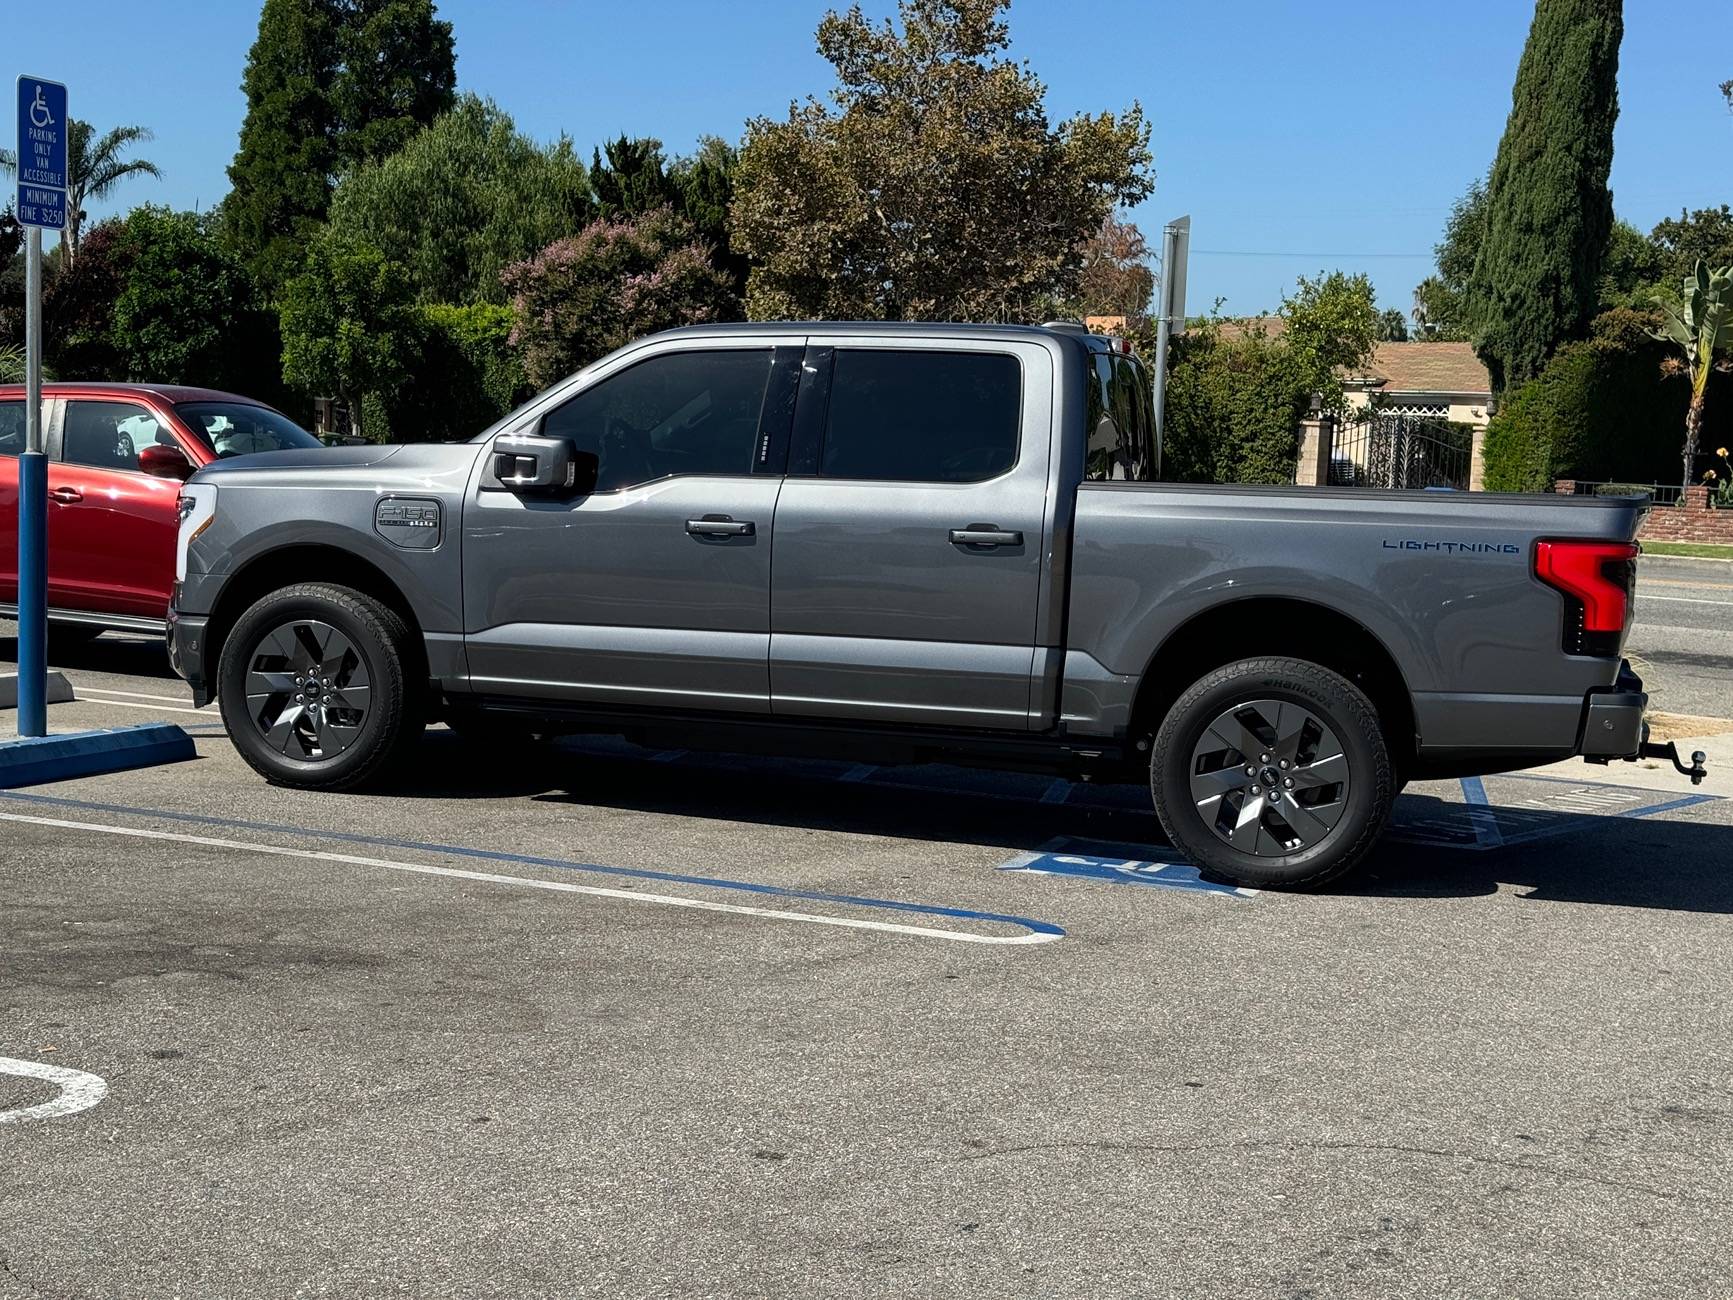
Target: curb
59, 690
40, 759
1685, 559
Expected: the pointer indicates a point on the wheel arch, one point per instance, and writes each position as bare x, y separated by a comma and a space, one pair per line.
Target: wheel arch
289, 565
1260, 626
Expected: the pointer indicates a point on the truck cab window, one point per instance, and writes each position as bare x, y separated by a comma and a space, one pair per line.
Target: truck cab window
678, 413
1119, 425
922, 416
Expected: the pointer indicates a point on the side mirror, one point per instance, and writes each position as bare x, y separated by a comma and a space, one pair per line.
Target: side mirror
531, 465
165, 462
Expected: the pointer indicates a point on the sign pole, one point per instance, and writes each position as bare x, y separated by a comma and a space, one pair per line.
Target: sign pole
1175, 248
43, 128
33, 514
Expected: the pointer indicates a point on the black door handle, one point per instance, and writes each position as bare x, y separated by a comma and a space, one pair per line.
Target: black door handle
720, 526
986, 535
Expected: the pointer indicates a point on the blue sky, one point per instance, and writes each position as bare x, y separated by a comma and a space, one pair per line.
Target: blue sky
1299, 134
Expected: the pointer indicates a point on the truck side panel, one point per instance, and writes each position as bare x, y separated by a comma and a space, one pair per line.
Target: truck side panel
1443, 581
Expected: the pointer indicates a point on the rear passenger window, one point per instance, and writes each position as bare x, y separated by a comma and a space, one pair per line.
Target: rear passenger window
929, 417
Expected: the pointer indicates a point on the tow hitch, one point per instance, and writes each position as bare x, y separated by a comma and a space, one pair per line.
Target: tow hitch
1670, 752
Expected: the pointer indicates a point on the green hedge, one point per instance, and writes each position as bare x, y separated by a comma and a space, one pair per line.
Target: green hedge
466, 375
1234, 406
1611, 407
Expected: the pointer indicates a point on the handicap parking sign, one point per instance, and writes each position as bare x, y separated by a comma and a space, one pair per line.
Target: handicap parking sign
42, 133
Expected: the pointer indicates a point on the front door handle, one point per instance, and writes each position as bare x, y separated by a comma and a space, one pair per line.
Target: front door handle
720, 526
986, 535
66, 495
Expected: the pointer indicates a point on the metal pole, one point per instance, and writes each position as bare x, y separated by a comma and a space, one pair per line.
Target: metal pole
1162, 329
1175, 247
33, 515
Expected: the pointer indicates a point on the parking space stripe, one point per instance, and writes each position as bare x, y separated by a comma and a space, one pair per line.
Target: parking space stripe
1038, 931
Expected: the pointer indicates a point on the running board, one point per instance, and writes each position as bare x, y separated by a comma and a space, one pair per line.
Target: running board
89, 618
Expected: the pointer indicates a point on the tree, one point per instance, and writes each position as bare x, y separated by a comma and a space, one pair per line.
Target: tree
463, 200
349, 322
1332, 324
634, 180
1115, 278
582, 297
1440, 308
705, 182
1234, 405
1705, 235
1634, 265
94, 168
1392, 327
1548, 209
933, 185
1700, 325
281, 173
329, 84
398, 73
187, 311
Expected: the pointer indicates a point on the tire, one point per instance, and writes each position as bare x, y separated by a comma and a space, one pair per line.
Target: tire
360, 663
1315, 813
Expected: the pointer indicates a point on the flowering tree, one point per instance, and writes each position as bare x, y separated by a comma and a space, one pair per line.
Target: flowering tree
582, 297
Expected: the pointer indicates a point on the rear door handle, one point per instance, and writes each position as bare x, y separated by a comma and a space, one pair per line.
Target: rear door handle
66, 495
720, 526
985, 535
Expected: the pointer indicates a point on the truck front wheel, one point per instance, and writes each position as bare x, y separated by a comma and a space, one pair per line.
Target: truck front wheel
1273, 773
317, 687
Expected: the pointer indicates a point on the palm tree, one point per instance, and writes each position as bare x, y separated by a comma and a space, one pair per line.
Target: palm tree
93, 170
1700, 324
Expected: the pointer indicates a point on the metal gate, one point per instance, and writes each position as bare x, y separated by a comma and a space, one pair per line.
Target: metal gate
1401, 449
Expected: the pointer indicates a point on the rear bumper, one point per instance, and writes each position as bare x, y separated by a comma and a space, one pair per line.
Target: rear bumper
186, 652
1613, 718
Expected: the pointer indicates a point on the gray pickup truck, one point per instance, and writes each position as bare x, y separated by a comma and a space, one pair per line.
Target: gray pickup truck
900, 543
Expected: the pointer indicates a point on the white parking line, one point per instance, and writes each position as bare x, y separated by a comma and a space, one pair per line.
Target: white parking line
88, 698
1682, 600
559, 886
78, 1090
136, 695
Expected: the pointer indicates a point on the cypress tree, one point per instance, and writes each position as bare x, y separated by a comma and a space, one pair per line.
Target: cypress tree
330, 84
281, 175
1548, 210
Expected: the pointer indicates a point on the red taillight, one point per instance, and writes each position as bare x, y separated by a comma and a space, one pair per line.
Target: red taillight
1596, 579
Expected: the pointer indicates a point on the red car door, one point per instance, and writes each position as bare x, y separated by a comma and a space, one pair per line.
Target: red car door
11, 444
111, 527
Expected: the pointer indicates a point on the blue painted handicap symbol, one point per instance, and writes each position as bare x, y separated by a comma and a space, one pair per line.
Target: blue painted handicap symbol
1120, 870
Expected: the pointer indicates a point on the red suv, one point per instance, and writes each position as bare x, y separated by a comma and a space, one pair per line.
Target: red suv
116, 456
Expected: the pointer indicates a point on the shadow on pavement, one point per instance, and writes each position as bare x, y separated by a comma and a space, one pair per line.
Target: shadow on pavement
1570, 857
123, 654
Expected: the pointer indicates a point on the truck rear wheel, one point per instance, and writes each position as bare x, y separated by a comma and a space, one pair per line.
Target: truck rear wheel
317, 687
1273, 773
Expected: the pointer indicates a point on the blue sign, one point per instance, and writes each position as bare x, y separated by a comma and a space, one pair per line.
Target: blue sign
39, 207
42, 132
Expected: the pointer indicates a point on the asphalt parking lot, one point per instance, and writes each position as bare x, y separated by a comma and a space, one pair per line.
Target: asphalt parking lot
593, 1020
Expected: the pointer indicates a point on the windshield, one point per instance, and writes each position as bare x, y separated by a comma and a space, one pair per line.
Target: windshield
240, 428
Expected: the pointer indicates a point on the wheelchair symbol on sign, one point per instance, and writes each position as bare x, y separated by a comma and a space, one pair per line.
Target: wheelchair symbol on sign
39, 114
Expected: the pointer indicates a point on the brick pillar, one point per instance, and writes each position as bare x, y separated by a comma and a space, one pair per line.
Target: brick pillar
1565, 487
1477, 461
1317, 436
1696, 497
